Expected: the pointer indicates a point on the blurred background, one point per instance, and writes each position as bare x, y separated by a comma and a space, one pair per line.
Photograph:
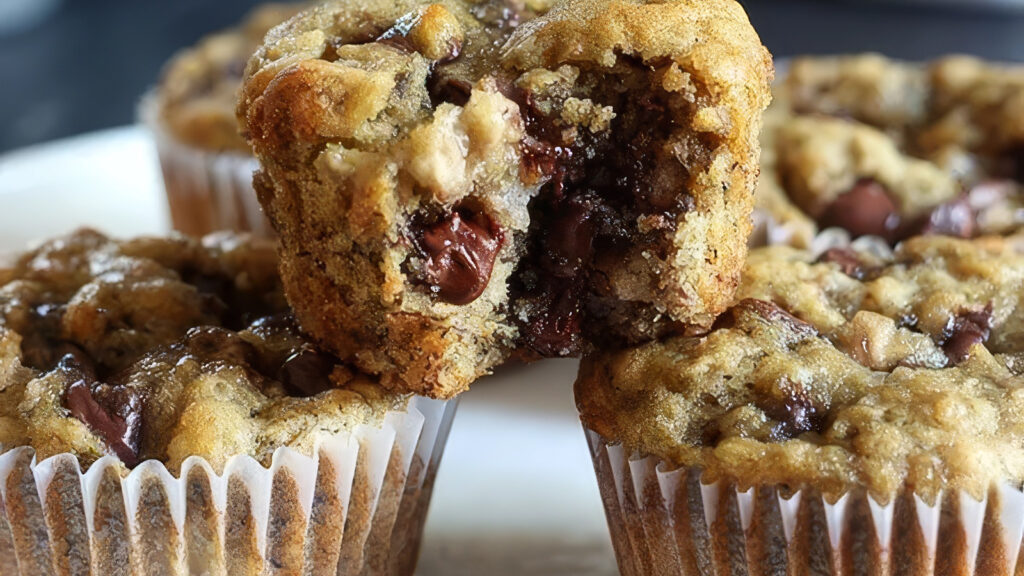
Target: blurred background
72, 66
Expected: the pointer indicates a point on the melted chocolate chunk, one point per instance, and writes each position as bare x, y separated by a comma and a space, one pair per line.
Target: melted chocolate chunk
570, 241
554, 328
114, 413
772, 312
795, 413
307, 372
953, 218
848, 260
965, 330
864, 210
459, 251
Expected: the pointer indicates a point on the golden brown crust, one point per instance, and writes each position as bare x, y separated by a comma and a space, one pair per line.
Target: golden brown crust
398, 129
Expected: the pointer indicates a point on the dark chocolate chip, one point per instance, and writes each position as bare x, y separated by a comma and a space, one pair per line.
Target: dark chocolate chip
555, 329
568, 242
307, 372
968, 328
460, 251
865, 209
953, 218
113, 413
795, 413
774, 313
847, 259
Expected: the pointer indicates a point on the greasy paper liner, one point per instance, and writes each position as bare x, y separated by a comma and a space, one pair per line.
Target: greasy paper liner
357, 506
667, 521
206, 191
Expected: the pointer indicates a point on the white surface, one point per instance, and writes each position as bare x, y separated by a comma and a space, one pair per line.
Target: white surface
516, 492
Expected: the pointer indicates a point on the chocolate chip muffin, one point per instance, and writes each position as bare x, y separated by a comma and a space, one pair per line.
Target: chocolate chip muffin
861, 381
891, 149
457, 182
180, 359
164, 349
207, 164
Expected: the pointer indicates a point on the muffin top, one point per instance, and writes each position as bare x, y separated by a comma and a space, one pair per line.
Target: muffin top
164, 348
482, 180
195, 98
886, 148
855, 369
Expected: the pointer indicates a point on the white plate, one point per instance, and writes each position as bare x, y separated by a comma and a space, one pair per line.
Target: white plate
516, 493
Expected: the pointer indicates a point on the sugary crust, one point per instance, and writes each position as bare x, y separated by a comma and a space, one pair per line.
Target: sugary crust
909, 375
369, 121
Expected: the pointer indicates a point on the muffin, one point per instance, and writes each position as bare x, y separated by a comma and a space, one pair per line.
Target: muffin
207, 165
851, 413
872, 146
161, 413
455, 183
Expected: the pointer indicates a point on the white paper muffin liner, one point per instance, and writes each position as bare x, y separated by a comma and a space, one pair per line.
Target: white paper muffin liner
357, 506
206, 191
667, 521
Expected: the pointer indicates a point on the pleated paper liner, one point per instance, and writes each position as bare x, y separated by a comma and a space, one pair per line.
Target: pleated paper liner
356, 507
666, 521
207, 190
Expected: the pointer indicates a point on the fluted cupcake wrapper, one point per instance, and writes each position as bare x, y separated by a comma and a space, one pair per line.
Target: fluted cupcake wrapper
667, 521
357, 506
207, 191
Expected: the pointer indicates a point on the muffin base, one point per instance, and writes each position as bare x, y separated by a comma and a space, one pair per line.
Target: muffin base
357, 506
667, 521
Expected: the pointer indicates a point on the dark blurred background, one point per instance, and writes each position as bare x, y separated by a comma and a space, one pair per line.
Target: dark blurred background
71, 66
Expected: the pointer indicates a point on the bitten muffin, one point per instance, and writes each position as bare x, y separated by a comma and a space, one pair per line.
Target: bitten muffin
156, 379
846, 377
207, 164
454, 183
891, 149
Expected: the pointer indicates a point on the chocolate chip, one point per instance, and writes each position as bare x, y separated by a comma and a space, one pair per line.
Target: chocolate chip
953, 218
307, 372
866, 209
968, 328
554, 328
795, 413
847, 259
114, 413
568, 242
772, 312
460, 251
